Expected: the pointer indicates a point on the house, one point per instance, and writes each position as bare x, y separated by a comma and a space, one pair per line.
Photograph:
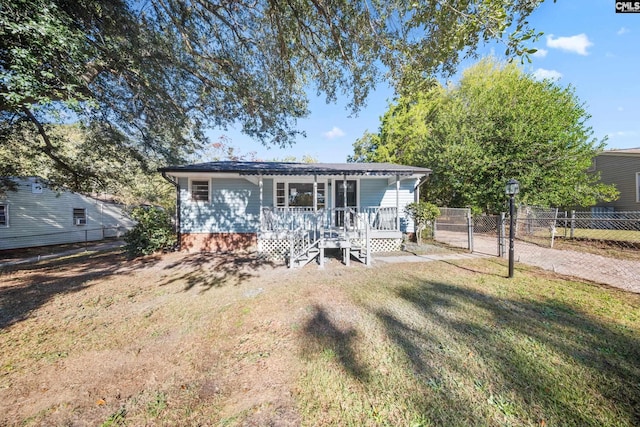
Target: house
295, 211
35, 215
622, 168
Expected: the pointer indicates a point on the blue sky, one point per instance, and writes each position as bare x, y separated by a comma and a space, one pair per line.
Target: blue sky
585, 44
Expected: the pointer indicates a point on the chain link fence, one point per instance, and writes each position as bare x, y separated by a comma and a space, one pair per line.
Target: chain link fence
454, 227
81, 235
601, 247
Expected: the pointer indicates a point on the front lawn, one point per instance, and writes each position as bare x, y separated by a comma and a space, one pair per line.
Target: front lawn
198, 340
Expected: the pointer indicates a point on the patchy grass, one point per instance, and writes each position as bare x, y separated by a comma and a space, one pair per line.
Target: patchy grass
460, 345
228, 341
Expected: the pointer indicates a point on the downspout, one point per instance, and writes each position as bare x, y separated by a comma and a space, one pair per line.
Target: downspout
416, 189
178, 216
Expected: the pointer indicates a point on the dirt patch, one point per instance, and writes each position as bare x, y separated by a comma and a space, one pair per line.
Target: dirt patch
178, 338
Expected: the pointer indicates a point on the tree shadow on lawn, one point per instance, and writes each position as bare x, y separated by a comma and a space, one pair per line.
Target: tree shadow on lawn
46, 279
328, 338
214, 270
519, 342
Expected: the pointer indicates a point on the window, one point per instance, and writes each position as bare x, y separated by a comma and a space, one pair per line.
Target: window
79, 216
280, 194
297, 194
4, 215
200, 190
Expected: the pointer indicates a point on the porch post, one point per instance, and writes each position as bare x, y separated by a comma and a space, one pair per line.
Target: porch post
344, 196
397, 202
260, 184
315, 193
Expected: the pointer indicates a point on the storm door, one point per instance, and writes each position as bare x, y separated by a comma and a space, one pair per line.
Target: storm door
352, 200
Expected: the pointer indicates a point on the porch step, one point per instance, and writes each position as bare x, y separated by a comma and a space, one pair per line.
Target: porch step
336, 243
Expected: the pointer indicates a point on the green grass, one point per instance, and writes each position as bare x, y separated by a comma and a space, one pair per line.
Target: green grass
623, 244
598, 234
461, 345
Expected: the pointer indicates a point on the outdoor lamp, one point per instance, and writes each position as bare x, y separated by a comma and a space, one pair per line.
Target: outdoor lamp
511, 190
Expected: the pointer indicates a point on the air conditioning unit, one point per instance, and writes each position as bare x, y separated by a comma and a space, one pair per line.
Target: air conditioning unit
81, 221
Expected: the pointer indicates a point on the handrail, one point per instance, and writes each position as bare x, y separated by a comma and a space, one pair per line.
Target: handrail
292, 218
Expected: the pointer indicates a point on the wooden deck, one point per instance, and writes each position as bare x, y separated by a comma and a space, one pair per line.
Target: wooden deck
307, 233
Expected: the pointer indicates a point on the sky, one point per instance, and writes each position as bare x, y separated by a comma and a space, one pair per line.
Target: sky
585, 44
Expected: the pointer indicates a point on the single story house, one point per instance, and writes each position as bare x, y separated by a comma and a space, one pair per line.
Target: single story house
295, 211
35, 215
621, 168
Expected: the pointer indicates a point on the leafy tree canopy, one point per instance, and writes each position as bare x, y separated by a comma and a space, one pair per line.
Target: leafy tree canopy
145, 79
497, 123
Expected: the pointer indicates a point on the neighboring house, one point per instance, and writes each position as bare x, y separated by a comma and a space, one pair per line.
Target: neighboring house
35, 215
622, 168
295, 210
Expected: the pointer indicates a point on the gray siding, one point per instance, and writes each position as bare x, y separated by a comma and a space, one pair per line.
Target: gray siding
46, 218
267, 192
234, 207
620, 170
377, 192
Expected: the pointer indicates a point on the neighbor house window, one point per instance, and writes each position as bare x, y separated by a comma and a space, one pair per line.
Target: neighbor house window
79, 216
200, 190
4, 216
298, 194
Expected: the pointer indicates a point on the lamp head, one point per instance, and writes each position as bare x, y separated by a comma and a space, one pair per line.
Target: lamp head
512, 188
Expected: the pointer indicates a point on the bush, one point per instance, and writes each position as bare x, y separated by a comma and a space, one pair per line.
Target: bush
423, 214
152, 233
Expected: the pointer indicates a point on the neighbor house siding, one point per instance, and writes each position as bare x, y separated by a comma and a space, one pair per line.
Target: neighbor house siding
234, 207
620, 170
46, 217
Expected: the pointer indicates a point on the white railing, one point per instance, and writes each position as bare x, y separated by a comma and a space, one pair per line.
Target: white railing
304, 218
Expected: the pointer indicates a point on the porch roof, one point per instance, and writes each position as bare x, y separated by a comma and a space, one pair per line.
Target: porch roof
287, 168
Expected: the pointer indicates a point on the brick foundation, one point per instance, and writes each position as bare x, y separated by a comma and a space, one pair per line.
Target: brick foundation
218, 242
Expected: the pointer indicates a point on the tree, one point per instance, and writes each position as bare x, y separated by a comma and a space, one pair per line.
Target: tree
122, 178
497, 123
146, 79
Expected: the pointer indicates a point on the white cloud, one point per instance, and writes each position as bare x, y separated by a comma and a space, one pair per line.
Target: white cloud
336, 132
576, 44
623, 30
540, 53
541, 74
624, 134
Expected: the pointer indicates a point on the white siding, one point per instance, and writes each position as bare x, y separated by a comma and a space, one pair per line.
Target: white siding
46, 218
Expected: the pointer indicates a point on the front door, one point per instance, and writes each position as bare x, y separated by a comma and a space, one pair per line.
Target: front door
352, 199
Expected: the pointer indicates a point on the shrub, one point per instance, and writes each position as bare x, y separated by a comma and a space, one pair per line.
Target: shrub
423, 214
152, 233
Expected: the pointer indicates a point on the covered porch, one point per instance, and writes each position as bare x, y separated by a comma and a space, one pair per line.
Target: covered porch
294, 211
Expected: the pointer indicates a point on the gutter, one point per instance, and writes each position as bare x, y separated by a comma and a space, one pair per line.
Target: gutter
178, 216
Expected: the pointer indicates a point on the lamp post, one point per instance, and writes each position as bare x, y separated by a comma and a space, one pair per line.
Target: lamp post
512, 188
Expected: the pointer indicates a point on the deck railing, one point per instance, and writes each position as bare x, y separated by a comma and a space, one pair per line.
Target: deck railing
304, 218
